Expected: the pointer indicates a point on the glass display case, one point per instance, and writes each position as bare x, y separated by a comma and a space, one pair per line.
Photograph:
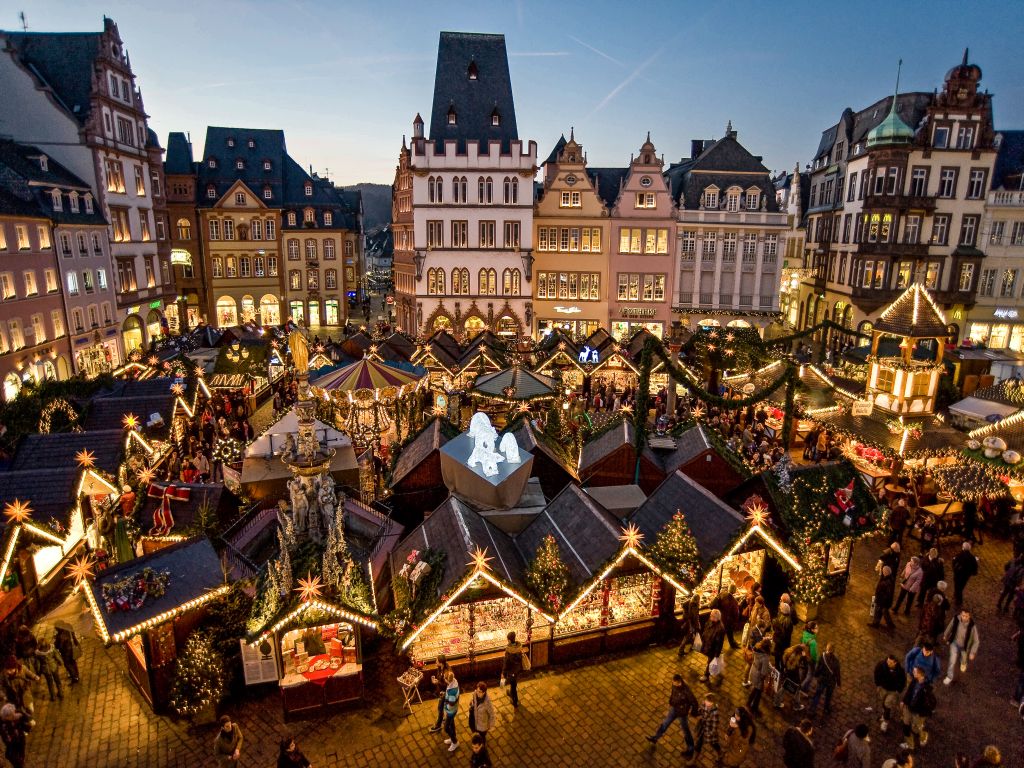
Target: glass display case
617, 600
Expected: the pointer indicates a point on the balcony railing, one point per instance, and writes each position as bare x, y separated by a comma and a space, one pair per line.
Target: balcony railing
1008, 198
914, 250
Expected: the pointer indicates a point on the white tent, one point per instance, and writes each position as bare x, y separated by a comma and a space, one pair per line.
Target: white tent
973, 412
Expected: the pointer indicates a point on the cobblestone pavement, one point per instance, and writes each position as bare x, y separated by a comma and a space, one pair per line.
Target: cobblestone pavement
593, 713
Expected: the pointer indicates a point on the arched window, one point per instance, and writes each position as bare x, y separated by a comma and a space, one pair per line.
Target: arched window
463, 189
430, 190
752, 199
710, 198
488, 282
184, 229
515, 191
291, 218
310, 249
489, 188
293, 250
511, 282
480, 189
308, 216
439, 190
455, 189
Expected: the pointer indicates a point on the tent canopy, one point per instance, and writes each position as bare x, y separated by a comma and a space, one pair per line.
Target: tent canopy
365, 374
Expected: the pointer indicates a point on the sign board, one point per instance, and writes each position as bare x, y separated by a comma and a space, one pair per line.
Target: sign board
862, 408
181, 258
258, 662
639, 311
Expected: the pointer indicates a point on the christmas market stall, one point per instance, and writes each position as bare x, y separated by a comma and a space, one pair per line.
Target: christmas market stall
557, 355
416, 483
610, 458
511, 389
171, 512
150, 605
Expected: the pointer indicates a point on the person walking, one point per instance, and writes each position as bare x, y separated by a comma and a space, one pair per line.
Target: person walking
890, 557
933, 614
798, 746
899, 517
918, 705
753, 636
962, 636
451, 708
707, 726
689, 625
730, 611
67, 645
923, 657
713, 642
227, 744
511, 666
481, 711
883, 599
479, 758
858, 747
739, 738
440, 686
809, 638
681, 704
910, 585
760, 674
965, 566
14, 727
792, 673
933, 570
890, 680
829, 676
1018, 692
782, 632
48, 664
290, 756
16, 685
1013, 571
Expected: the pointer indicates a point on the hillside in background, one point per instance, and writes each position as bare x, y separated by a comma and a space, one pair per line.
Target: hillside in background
376, 205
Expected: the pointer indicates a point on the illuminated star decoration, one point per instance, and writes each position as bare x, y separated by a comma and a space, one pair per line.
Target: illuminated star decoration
130, 421
631, 536
713, 335
712, 347
309, 588
18, 511
757, 514
85, 458
319, 347
153, 360
730, 352
177, 388
480, 559
200, 371
697, 412
146, 475
730, 336
80, 569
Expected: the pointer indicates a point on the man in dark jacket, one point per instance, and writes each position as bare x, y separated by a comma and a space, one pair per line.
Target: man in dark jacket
797, 747
726, 603
965, 565
437, 680
681, 704
933, 570
511, 666
829, 677
1012, 573
918, 706
890, 680
713, 641
883, 598
890, 557
782, 632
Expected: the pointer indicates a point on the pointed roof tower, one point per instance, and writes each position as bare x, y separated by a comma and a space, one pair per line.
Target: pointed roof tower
892, 129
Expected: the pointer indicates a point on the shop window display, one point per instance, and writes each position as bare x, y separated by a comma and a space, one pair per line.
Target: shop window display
478, 627
741, 570
319, 652
839, 556
618, 600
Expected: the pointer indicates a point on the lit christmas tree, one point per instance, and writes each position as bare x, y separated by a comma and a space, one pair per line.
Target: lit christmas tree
547, 576
675, 550
199, 678
808, 584
553, 426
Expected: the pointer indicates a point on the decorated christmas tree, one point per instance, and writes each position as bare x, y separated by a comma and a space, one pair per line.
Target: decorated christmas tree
199, 677
808, 584
547, 576
675, 550
553, 426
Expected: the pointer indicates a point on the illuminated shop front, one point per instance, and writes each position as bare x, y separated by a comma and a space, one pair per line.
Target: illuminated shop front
132, 333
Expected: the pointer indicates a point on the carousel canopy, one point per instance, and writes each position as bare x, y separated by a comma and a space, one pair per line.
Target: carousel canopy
365, 374
913, 315
515, 384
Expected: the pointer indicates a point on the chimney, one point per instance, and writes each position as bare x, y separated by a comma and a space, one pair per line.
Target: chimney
696, 147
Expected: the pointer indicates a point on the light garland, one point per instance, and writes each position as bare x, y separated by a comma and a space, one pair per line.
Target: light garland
151, 622
831, 384
62, 405
319, 605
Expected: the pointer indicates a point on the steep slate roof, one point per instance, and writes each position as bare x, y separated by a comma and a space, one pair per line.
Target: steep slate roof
51, 492
194, 568
62, 60
910, 107
474, 100
587, 533
457, 529
559, 145
715, 525
724, 163
1009, 169
607, 442
527, 384
531, 440
913, 314
52, 451
607, 182
689, 445
179, 154
25, 180
413, 453
269, 145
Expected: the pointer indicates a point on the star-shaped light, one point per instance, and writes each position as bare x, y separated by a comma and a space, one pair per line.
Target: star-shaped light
178, 388
153, 360
199, 371
730, 336
130, 421
697, 412
80, 569
480, 561
309, 588
146, 475
631, 536
274, 343
730, 352
524, 408
713, 335
712, 347
85, 458
373, 349
319, 348
18, 511
757, 514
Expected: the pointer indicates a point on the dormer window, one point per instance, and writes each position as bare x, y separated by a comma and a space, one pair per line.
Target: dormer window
308, 216
309, 189
211, 192
231, 142
291, 218
212, 162
711, 197
44, 163
451, 115
266, 165
88, 203
495, 117
328, 219
267, 194
252, 144
239, 198
73, 198
473, 73
55, 197
753, 199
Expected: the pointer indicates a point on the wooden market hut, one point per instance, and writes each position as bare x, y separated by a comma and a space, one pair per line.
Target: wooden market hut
551, 466
610, 459
153, 632
188, 502
416, 484
699, 459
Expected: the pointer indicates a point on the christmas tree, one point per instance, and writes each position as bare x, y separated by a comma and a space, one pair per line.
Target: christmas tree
553, 427
808, 585
199, 677
331, 571
675, 550
547, 576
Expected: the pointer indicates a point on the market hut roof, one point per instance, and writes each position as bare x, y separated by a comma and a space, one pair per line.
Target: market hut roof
515, 383
195, 577
365, 374
715, 525
935, 436
223, 504
50, 492
913, 314
429, 439
689, 445
50, 451
609, 441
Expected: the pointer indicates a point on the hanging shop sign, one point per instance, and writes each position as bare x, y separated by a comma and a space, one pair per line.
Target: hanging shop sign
181, 258
862, 408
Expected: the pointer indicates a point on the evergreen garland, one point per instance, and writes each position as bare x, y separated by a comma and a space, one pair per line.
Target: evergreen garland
547, 575
675, 551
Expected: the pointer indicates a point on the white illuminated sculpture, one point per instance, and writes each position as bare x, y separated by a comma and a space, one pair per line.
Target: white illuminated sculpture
484, 437
510, 448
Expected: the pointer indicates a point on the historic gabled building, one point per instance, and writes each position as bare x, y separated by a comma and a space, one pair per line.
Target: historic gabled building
641, 258
573, 238
792, 191
74, 96
239, 198
897, 197
469, 266
730, 226
183, 231
997, 318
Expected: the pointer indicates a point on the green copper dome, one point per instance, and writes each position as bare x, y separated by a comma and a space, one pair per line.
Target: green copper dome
892, 130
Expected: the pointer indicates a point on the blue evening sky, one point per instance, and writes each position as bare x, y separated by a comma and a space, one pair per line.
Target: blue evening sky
344, 79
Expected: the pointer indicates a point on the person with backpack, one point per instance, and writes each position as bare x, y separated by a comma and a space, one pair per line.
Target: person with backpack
918, 705
963, 639
795, 664
827, 673
681, 705
890, 680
